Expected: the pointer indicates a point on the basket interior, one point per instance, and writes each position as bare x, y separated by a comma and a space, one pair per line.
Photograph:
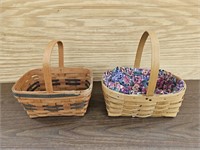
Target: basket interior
135, 81
68, 79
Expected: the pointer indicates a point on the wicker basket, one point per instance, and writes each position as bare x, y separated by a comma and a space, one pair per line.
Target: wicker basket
155, 105
57, 91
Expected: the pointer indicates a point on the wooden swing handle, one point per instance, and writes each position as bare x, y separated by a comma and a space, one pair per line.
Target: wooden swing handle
46, 63
155, 59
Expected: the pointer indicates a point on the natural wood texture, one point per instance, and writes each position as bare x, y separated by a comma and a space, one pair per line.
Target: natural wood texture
95, 31
97, 131
119, 104
59, 91
155, 59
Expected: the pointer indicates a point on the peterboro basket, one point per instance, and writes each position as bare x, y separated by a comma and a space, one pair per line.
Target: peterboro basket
154, 105
57, 91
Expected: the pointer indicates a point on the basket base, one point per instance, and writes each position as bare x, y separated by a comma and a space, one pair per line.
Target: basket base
67, 115
171, 115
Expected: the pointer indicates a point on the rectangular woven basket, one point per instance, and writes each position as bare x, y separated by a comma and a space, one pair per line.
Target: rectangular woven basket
57, 91
154, 105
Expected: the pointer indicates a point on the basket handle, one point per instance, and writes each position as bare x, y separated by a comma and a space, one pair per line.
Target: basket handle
46, 63
155, 60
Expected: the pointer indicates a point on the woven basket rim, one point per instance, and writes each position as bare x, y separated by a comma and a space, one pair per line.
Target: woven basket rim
162, 95
14, 91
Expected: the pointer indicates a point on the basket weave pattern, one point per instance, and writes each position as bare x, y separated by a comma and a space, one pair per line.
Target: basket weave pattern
154, 105
57, 91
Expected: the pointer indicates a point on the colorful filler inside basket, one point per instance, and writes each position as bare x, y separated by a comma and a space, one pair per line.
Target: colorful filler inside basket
139, 92
54, 91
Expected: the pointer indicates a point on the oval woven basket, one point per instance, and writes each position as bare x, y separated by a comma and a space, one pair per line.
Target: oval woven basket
149, 104
57, 91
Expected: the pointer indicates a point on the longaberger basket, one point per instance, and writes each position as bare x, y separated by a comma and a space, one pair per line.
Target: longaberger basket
149, 104
57, 91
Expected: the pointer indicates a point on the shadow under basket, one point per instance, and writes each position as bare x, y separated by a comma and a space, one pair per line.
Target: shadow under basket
60, 92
